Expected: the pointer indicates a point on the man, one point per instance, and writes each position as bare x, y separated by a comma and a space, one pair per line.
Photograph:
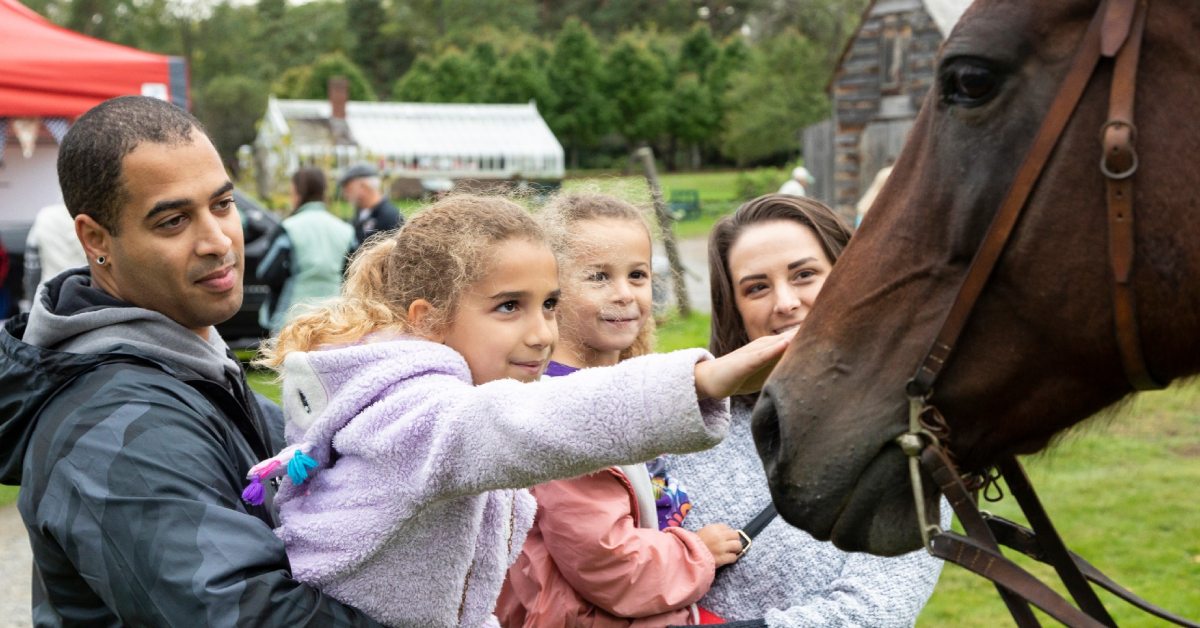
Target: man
798, 184
126, 419
361, 185
50, 248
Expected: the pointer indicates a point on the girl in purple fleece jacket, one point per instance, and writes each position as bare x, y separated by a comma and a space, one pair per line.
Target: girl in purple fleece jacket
416, 418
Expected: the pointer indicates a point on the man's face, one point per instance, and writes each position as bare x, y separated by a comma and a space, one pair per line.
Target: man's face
180, 248
354, 191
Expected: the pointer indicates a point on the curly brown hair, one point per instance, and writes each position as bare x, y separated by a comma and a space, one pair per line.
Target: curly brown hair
560, 218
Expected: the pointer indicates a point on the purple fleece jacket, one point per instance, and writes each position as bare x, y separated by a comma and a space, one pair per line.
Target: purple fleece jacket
422, 509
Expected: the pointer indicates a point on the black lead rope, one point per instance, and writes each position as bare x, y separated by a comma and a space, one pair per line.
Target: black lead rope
750, 530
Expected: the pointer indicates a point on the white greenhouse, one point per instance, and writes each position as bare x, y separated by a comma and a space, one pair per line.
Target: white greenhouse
426, 141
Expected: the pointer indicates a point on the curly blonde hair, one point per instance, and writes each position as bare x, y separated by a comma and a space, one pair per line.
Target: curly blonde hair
435, 256
560, 218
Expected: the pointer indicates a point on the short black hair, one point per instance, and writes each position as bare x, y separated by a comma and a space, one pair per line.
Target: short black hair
91, 157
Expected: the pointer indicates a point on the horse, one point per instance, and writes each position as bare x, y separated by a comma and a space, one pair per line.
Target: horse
1045, 343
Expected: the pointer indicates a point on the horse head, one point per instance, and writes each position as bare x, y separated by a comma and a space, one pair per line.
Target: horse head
1038, 353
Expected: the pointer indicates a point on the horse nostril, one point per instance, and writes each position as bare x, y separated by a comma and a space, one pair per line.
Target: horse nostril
765, 426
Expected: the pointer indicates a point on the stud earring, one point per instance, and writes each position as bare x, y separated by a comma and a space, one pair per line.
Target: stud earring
100, 259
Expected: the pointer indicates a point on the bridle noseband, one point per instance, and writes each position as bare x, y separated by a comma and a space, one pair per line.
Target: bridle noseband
1115, 33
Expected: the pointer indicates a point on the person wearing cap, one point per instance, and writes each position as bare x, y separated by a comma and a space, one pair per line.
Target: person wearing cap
797, 185
360, 185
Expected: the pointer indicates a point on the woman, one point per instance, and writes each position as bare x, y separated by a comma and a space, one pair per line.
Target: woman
768, 261
308, 253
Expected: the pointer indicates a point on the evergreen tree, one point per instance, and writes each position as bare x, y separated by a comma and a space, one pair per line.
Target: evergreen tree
698, 52
458, 78
580, 112
635, 83
419, 83
519, 78
774, 98
366, 20
694, 116
230, 106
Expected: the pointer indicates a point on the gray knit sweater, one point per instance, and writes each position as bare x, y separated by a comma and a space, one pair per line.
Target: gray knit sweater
788, 577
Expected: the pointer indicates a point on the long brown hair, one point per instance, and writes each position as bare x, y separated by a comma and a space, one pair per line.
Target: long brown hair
560, 217
310, 186
727, 331
435, 257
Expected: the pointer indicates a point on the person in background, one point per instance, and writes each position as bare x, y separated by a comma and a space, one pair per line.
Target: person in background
868, 198
798, 184
50, 248
768, 261
308, 255
5, 299
128, 422
361, 185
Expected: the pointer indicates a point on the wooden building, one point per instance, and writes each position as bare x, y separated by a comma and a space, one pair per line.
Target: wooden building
876, 90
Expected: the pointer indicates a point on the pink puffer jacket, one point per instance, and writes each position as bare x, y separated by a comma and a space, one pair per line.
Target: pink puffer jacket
586, 562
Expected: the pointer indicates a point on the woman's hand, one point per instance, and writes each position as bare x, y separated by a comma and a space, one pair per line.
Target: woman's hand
743, 371
722, 541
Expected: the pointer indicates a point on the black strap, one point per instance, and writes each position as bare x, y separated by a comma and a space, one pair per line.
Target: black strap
756, 525
760, 521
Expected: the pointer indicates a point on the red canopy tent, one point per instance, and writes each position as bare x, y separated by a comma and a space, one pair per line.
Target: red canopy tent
48, 71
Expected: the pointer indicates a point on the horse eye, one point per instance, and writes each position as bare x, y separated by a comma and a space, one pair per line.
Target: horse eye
968, 83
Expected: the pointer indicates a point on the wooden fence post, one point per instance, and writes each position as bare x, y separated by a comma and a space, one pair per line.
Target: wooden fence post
666, 223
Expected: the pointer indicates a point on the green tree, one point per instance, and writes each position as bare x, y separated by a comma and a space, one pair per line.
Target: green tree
770, 102
312, 81
635, 84
698, 52
519, 78
459, 77
366, 20
419, 83
230, 106
292, 82
337, 64
580, 112
694, 116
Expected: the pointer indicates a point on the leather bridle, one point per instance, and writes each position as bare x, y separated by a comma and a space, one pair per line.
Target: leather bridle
1115, 33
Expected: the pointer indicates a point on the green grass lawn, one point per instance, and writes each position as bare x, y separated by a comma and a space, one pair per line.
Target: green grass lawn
1121, 491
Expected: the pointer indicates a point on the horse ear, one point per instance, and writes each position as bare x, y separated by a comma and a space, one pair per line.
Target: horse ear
304, 395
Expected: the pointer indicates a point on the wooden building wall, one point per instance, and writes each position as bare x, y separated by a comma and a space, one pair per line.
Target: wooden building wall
880, 83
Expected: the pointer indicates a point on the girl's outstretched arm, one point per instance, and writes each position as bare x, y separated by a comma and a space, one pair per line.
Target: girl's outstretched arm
743, 371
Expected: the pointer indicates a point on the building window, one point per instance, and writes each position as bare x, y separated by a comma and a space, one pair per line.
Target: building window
893, 46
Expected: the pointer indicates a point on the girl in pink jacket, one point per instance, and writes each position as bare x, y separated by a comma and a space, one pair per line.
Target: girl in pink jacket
606, 548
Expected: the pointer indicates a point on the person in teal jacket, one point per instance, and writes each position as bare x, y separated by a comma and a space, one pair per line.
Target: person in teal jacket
308, 254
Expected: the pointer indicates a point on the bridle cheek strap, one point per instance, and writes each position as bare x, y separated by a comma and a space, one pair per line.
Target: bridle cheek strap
1119, 163
1117, 26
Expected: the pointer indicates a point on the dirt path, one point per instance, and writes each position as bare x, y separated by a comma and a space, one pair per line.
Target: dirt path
694, 254
14, 576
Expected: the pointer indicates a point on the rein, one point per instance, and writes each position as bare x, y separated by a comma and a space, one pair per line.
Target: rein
1115, 33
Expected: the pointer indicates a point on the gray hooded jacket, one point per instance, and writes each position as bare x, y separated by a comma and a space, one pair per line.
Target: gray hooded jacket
130, 437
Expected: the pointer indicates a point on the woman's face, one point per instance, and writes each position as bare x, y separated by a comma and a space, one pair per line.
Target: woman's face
777, 268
